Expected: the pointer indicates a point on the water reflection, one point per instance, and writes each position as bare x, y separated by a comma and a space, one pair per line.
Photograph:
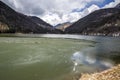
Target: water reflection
90, 60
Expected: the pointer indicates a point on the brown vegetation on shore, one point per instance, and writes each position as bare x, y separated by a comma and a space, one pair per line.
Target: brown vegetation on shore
110, 74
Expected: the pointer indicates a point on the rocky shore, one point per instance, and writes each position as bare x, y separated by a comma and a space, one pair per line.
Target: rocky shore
110, 74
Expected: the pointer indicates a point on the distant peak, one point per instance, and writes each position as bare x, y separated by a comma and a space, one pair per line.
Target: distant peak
118, 6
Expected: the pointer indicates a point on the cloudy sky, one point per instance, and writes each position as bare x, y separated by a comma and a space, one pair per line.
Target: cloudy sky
59, 11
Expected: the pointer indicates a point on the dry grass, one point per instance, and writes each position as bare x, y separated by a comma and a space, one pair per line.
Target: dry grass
110, 74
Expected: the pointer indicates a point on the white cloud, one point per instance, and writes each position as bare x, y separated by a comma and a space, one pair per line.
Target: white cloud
112, 4
93, 8
54, 18
51, 18
56, 11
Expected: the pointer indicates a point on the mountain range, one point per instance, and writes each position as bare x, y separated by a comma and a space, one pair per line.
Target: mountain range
63, 26
15, 22
100, 22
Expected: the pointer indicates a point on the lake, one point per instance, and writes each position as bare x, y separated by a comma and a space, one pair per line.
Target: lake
55, 57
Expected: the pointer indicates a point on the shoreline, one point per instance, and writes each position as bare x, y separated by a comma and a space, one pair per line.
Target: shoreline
21, 34
109, 74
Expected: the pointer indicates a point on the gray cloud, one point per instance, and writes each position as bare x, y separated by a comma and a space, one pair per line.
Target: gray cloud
26, 7
55, 11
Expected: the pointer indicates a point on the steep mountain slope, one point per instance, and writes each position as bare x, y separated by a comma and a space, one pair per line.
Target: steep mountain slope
118, 6
40, 22
12, 22
63, 26
100, 22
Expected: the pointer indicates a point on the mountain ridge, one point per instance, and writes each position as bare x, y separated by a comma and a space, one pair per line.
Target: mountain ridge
104, 22
16, 22
100, 22
63, 26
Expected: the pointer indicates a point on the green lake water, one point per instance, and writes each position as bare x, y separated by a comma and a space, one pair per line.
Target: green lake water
50, 58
